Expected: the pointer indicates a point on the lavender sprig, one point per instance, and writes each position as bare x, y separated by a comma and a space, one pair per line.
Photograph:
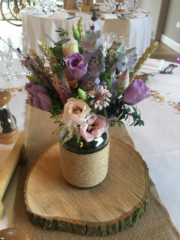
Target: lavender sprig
94, 18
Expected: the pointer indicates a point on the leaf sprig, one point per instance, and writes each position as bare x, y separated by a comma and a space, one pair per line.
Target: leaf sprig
120, 110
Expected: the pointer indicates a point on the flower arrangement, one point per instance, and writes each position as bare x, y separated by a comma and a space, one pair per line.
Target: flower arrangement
85, 91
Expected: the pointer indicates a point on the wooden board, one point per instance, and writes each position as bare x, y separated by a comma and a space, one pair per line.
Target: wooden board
113, 206
17, 155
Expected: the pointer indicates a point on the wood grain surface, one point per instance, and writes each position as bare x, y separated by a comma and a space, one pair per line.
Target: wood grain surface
113, 206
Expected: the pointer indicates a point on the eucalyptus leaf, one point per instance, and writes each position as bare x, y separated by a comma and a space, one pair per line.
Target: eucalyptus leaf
34, 80
119, 124
50, 38
60, 43
136, 123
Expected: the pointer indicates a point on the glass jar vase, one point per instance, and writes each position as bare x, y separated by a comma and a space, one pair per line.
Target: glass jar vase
84, 164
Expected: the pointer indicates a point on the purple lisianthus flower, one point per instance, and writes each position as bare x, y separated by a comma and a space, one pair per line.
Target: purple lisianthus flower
34, 89
42, 101
136, 92
98, 64
39, 96
76, 67
91, 40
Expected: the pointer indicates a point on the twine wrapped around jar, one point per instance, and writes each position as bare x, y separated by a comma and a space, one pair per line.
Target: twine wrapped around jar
84, 170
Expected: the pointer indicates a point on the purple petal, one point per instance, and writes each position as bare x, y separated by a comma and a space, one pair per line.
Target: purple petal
37, 103
34, 89
39, 88
75, 65
136, 92
42, 101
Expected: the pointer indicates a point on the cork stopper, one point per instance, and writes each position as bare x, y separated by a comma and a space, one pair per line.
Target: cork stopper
5, 97
13, 234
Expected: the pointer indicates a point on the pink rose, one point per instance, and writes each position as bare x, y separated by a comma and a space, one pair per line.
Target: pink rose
75, 110
94, 127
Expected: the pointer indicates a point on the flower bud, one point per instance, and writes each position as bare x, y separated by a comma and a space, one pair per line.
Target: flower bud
123, 81
76, 34
70, 48
82, 94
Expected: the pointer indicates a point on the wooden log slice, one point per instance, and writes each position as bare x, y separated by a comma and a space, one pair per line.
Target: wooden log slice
113, 206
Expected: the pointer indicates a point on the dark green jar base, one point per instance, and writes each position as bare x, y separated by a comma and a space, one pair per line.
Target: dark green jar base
83, 147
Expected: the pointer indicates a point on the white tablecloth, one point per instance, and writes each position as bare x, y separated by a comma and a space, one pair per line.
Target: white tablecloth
37, 26
158, 142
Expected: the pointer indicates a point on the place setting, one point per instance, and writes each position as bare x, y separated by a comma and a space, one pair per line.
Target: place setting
10, 56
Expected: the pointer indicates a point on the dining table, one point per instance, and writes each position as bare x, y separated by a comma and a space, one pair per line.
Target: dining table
158, 142
36, 24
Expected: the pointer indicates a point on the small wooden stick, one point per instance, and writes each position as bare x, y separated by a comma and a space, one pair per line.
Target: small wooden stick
16, 155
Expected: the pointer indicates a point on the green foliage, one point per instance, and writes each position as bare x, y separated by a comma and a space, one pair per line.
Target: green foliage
60, 43
50, 38
81, 50
62, 33
57, 106
58, 69
105, 114
34, 80
106, 77
57, 52
121, 111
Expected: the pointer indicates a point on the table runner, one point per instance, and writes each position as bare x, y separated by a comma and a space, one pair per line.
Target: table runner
155, 224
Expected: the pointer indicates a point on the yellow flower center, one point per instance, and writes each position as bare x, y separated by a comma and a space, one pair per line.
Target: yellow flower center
92, 127
77, 110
